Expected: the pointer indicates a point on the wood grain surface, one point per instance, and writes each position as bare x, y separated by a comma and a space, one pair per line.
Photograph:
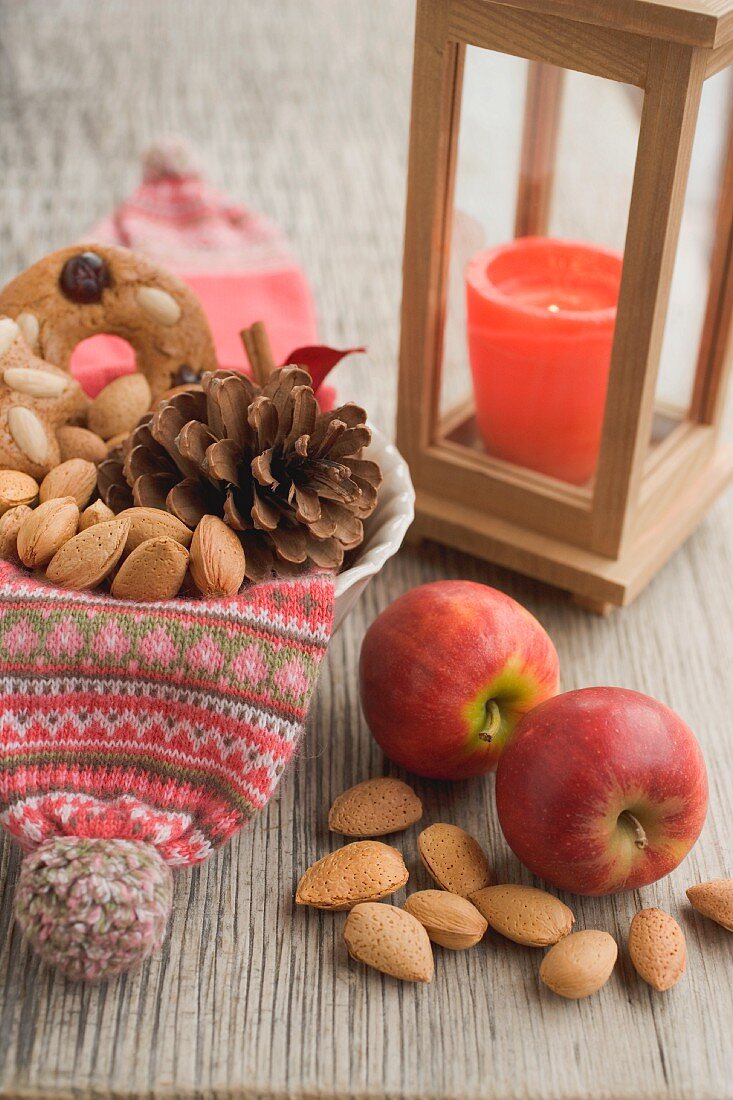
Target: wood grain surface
301, 107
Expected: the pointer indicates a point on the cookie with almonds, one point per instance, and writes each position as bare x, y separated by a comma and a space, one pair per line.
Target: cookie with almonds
35, 400
84, 290
289, 479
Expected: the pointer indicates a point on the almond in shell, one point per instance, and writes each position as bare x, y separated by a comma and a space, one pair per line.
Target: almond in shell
76, 442
714, 899
580, 964
390, 940
75, 478
657, 948
152, 523
374, 808
15, 489
449, 920
454, 859
95, 513
87, 559
119, 406
154, 571
46, 530
366, 870
10, 523
217, 559
524, 914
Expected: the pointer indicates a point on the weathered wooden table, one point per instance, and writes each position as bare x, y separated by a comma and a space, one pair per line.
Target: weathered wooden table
302, 108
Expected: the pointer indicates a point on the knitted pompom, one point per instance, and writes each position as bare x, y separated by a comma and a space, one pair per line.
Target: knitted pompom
93, 907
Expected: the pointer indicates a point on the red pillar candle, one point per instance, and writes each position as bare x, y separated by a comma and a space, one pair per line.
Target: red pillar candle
540, 320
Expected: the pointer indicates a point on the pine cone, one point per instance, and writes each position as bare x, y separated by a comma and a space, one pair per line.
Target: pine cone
284, 475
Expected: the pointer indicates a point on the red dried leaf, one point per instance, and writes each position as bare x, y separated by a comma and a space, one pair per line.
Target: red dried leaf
318, 360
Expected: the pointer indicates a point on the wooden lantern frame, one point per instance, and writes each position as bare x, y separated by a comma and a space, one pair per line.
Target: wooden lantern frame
605, 542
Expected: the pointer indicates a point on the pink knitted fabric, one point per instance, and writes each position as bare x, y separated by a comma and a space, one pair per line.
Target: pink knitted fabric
238, 263
167, 725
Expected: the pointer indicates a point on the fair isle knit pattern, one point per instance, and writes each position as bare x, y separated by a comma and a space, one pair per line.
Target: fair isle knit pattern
168, 723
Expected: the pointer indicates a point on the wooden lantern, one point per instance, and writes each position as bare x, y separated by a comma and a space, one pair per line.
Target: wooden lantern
602, 541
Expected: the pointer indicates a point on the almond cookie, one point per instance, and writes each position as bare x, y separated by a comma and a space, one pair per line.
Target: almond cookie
84, 290
35, 400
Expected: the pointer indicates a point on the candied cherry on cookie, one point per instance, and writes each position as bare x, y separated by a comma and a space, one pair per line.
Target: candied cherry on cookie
86, 290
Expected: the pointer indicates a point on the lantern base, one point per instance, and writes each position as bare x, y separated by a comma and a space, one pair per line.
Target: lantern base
596, 583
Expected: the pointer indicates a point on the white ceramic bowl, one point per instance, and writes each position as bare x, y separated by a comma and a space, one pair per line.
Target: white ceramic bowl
383, 531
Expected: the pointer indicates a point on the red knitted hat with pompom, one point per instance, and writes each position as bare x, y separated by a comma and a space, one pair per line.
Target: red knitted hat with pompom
135, 737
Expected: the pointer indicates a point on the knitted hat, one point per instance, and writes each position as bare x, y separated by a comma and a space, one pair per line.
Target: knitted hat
136, 737
238, 263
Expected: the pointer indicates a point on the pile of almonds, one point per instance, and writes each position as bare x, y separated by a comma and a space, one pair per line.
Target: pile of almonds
58, 529
397, 941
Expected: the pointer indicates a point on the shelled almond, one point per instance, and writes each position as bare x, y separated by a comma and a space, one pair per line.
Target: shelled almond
375, 807
10, 523
75, 478
119, 406
714, 900
46, 529
524, 914
77, 442
454, 859
89, 557
391, 940
657, 948
15, 489
449, 920
155, 570
579, 964
95, 513
151, 523
217, 559
366, 870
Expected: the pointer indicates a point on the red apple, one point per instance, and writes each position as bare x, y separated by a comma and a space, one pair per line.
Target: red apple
601, 790
447, 671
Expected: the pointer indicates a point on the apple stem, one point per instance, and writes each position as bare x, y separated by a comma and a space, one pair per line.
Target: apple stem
493, 721
640, 838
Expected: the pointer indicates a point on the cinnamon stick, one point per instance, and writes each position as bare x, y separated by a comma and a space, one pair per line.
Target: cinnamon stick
259, 353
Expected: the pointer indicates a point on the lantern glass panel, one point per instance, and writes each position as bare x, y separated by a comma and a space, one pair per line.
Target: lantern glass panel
544, 171
690, 303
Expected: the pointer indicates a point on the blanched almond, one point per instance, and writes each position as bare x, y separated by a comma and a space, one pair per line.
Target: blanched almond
449, 920
455, 860
46, 530
714, 899
16, 488
217, 559
390, 940
374, 808
85, 560
95, 513
579, 964
154, 571
75, 478
366, 870
76, 442
151, 523
119, 406
31, 437
657, 948
524, 914
10, 523
34, 382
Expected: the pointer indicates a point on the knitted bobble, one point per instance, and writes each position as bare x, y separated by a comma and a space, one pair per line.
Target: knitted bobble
93, 907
